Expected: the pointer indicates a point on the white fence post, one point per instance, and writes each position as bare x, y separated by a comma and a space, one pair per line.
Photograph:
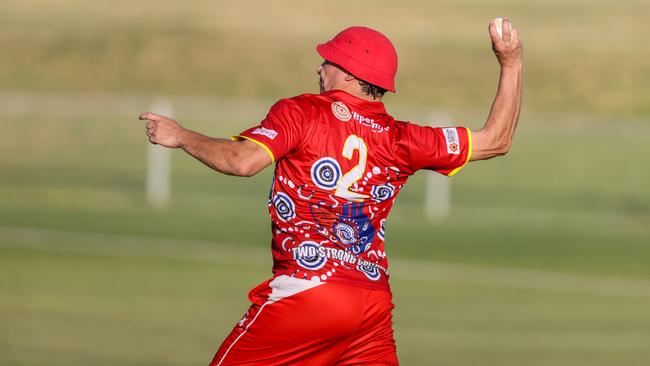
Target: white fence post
158, 166
438, 187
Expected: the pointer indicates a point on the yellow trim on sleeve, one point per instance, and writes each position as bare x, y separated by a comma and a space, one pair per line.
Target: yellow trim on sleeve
238, 137
469, 153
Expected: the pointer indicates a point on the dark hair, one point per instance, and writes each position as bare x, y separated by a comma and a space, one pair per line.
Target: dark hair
371, 90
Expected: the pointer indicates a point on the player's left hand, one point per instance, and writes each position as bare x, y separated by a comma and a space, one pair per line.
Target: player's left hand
163, 130
507, 48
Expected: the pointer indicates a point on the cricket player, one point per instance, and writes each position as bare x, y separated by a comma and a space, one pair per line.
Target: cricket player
340, 160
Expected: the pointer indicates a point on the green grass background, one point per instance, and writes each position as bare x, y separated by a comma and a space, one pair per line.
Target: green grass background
545, 259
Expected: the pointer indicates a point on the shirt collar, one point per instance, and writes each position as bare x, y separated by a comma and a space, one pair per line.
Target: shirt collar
362, 104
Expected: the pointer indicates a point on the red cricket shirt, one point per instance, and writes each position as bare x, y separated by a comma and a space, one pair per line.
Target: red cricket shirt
340, 161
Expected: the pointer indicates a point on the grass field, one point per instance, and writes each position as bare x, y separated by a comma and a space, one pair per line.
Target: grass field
545, 259
157, 301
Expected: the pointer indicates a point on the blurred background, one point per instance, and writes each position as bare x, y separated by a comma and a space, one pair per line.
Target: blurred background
544, 258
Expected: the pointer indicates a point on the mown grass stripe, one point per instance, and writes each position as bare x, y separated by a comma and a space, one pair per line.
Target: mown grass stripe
402, 269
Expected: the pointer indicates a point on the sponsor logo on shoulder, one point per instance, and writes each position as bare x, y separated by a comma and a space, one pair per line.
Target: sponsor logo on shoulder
451, 137
265, 132
343, 114
369, 122
341, 111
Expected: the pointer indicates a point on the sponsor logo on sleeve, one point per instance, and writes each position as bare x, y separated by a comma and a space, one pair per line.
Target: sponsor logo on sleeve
341, 111
265, 132
451, 137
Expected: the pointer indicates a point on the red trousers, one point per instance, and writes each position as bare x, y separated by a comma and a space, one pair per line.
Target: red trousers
301, 322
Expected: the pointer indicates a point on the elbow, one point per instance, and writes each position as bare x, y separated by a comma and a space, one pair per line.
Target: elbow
243, 169
487, 144
499, 145
503, 147
247, 162
247, 172
243, 166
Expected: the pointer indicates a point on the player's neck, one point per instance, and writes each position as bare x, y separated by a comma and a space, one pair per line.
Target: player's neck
356, 91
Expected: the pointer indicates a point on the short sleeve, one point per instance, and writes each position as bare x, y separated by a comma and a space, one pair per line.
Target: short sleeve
445, 150
281, 131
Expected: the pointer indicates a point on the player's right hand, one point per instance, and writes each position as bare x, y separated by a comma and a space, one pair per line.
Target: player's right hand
162, 130
508, 49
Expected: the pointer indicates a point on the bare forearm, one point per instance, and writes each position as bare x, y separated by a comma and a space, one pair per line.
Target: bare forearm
495, 138
217, 153
504, 115
241, 158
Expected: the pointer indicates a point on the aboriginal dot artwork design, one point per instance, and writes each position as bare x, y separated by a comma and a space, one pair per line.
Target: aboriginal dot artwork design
325, 173
382, 192
381, 232
284, 206
370, 270
354, 229
341, 111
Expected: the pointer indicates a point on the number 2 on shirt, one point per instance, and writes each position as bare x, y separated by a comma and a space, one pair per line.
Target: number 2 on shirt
353, 142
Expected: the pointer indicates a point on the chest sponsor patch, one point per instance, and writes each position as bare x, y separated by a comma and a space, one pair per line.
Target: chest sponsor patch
451, 137
341, 111
265, 132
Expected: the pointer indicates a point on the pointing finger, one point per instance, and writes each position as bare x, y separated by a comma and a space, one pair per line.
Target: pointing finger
150, 116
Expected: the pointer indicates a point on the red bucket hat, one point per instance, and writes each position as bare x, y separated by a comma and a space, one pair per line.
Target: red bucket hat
365, 53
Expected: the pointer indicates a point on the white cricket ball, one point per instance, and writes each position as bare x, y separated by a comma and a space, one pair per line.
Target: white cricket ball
499, 23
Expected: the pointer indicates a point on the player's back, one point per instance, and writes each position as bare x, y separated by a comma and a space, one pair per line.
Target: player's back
341, 161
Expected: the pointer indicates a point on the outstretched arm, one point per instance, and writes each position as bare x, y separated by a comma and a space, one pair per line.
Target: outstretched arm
495, 138
241, 158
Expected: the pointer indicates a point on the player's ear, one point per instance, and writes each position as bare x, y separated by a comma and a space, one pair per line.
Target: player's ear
349, 77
